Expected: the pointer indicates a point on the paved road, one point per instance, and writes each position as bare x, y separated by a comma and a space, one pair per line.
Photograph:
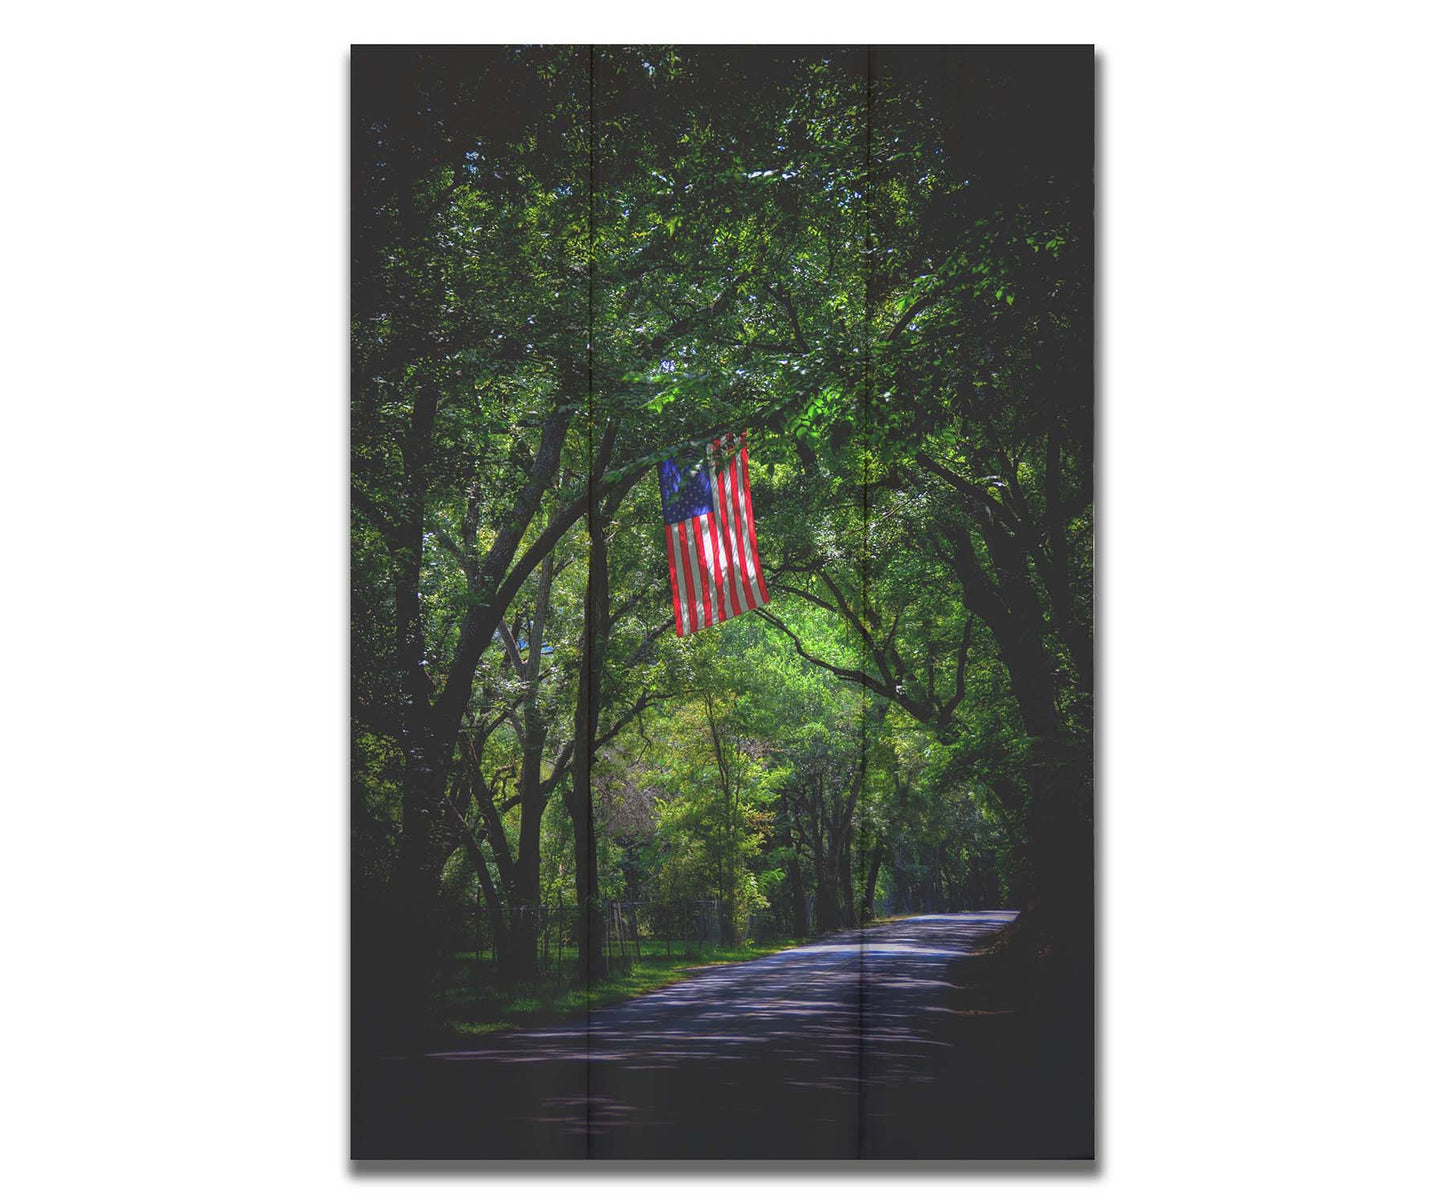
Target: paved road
868, 1044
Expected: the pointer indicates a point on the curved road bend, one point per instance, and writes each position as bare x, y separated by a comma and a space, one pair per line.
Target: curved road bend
870, 1043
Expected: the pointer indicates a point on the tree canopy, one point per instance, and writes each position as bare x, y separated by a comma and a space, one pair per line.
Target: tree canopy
570, 263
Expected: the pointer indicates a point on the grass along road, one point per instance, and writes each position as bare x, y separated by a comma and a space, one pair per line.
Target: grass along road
477, 1003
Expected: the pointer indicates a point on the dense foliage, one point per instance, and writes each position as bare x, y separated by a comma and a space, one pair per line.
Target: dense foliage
568, 264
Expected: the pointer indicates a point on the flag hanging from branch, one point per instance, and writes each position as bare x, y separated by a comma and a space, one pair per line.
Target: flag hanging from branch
712, 545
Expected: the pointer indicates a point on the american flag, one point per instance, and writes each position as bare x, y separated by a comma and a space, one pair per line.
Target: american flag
712, 545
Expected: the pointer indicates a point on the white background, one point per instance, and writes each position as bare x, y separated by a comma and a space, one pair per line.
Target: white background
174, 502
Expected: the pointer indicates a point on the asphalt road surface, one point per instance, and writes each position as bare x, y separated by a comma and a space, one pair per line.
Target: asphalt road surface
884, 1043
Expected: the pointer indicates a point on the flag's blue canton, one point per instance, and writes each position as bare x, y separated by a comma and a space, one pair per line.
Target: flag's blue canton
684, 494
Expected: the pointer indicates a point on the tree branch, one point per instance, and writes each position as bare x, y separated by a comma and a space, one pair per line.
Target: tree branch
854, 675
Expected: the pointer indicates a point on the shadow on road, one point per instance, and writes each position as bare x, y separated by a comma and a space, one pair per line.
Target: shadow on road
900, 1041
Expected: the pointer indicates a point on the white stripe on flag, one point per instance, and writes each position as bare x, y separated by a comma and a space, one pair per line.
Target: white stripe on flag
683, 608
734, 480
672, 573
731, 560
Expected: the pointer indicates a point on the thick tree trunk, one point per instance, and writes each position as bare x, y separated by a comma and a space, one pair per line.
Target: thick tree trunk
527, 884
870, 886
1061, 849
596, 627
1059, 916
800, 898
827, 901
589, 913
795, 881
527, 874
395, 971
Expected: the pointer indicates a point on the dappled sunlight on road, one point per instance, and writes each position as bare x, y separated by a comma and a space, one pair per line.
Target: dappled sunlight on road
831, 1020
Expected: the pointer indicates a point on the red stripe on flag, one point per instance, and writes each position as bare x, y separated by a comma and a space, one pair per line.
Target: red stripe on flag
672, 572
